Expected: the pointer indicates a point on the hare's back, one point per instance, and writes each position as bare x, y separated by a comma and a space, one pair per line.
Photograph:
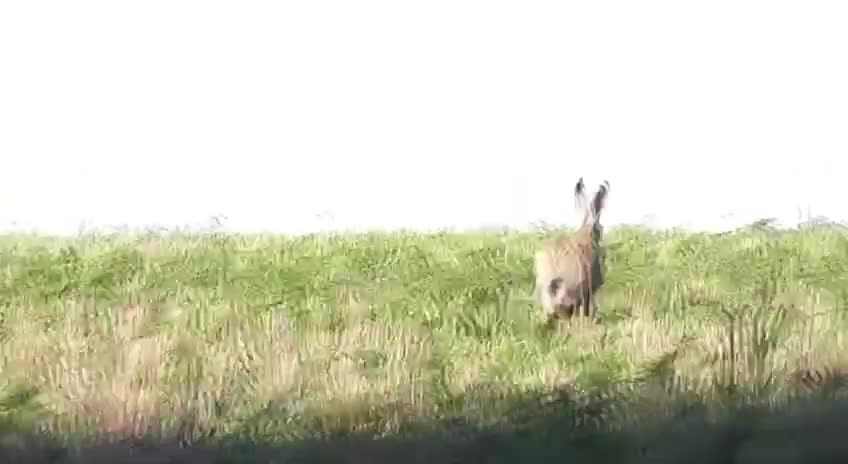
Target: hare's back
565, 258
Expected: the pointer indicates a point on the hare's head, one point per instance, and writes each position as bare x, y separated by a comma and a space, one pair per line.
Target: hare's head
591, 210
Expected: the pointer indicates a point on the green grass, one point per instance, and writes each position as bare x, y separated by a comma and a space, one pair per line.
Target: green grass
307, 349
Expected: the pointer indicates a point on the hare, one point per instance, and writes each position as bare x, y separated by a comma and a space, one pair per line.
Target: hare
570, 270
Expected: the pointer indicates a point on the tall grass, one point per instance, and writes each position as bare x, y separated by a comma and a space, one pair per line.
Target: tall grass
215, 340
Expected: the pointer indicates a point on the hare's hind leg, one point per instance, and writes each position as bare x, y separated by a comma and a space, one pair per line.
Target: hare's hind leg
589, 306
543, 299
551, 321
586, 304
595, 309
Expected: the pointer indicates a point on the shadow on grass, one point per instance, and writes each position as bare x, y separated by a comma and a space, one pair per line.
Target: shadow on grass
635, 425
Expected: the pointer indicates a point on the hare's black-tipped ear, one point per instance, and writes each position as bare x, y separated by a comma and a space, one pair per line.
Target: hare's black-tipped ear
579, 196
599, 201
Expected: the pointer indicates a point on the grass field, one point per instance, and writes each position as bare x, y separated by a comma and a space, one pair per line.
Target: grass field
422, 348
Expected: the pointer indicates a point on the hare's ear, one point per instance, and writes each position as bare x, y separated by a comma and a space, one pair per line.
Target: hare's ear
600, 200
580, 197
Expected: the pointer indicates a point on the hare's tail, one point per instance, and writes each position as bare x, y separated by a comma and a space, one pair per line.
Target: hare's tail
555, 286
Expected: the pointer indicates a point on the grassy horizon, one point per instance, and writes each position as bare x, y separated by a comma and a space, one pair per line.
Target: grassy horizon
430, 339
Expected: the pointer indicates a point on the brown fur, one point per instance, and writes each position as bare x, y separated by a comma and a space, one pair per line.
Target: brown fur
570, 270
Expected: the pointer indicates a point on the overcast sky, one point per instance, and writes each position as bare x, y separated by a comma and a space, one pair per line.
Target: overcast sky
302, 115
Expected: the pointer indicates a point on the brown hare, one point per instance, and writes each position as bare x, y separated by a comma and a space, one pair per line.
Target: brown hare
570, 270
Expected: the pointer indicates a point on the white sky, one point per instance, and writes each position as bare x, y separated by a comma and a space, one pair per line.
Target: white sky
432, 113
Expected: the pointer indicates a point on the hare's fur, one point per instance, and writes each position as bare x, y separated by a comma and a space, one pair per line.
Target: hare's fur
570, 270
